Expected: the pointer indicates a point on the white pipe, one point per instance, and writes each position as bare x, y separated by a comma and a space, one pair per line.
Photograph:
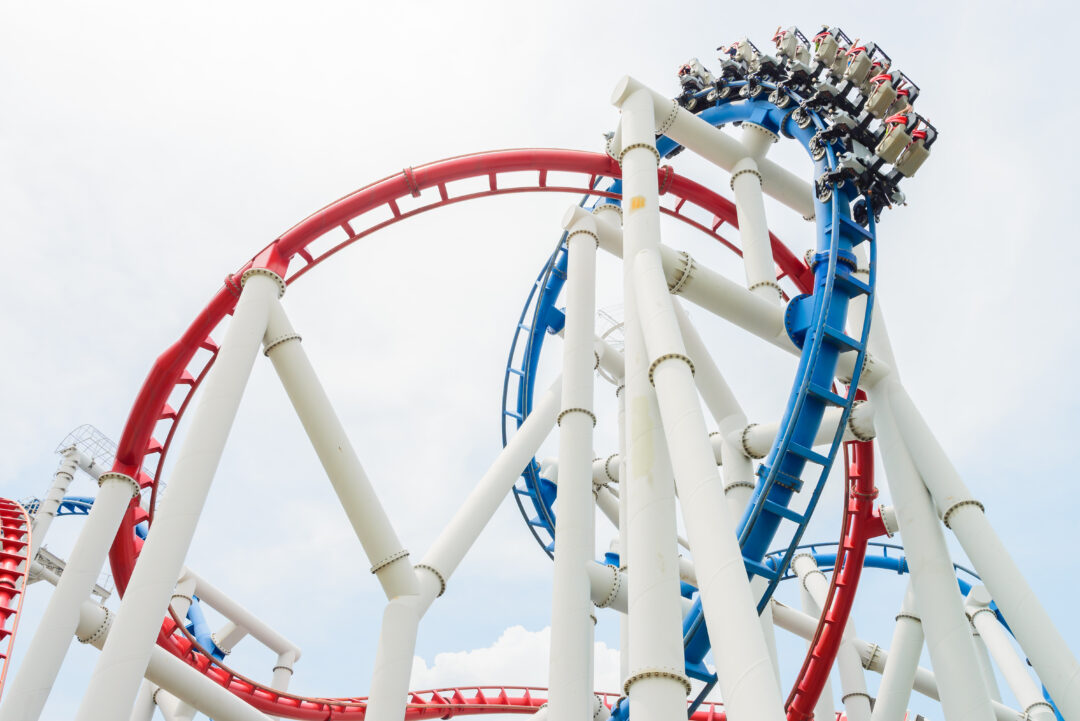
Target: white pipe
30, 687
46, 511
226, 637
218, 600
119, 670
738, 469
714, 145
144, 703
746, 181
167, 671
173, 709
1051, 658
875, 658
728, 300
442, 559
747, 682
183, 595
570, 693
388, 558
933, 579
824, 708
853, 691
655, 684
622, 524
898, 674
1013, 668
283, 671
393, 659
987, 668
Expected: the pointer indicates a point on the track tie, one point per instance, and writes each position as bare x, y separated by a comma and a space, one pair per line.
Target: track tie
808, 454
839, 338
850, 285
826, 395
783, 511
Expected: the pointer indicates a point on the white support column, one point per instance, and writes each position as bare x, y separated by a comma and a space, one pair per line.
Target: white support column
933, 579
987, 668
655, 681
738, 469
746, 181
384, 551
747, 682
183, 595
230, 634
570, 695
47, 509
624, 537
1050, 656
1013, 668
389, 559
283, 671
442, 559
119, 669
898, 675
825, 707
853, 691
144, 703
42, 658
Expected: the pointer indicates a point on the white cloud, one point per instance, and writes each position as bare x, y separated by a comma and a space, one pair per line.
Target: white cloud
518, 656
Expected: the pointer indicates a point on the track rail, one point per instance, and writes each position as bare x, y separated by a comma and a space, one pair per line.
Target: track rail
14, 570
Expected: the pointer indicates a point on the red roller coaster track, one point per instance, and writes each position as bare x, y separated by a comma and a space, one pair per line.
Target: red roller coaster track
176, 374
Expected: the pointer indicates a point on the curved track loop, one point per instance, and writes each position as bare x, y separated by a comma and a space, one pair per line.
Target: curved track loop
14, 569
181, 368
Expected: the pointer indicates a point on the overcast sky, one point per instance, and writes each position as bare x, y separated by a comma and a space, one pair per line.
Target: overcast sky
148, 150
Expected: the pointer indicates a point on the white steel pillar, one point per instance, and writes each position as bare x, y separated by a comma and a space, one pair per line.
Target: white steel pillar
1013, 668
987, 668
933, 579
388, 557
738, 469
624, 536
853, 691
1051, 658
825, 708
898, 675
119, 669
283, 671
747, 682
30, 688
654, 679
655, 682
442, 559
47, 509
570, 671
144, 703
750, 205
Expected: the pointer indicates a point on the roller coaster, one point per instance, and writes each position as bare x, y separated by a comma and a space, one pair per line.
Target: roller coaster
697, 614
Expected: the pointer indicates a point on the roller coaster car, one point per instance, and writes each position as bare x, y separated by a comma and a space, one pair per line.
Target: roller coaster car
882, 95
694, 78
768, 67
792, 46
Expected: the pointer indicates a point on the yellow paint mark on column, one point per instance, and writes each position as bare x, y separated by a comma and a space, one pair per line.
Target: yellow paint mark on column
637, 203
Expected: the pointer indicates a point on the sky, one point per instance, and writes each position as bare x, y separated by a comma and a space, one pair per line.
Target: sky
148, 150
